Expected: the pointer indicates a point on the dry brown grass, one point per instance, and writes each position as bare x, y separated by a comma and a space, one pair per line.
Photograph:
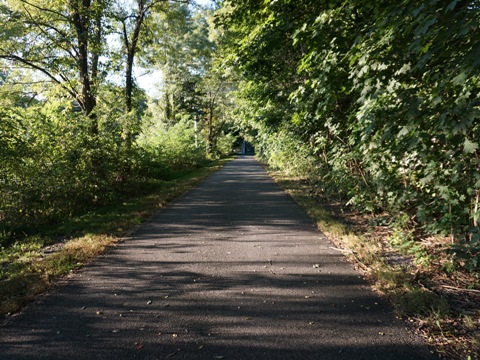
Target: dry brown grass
38, 273
29, 268
414, 272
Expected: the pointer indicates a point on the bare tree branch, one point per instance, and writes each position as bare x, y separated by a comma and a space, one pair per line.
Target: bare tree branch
32, 65
39, 25
45, 9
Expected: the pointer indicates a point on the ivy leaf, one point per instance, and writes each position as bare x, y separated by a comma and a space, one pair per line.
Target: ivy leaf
425, 26
451, 6
460, 79
469, 146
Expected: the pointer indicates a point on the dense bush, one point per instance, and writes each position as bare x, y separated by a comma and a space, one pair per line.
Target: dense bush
173, 147
76, 132
52, 167
383, 95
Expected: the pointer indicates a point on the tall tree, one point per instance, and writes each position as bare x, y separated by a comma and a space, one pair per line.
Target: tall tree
62, 40
380, 98
194, 86
136, 35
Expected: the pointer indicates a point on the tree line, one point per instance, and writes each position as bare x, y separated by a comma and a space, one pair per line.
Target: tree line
376, 103
76, 130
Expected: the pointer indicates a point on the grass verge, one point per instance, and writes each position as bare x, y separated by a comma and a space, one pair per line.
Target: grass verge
31, 266
442, 306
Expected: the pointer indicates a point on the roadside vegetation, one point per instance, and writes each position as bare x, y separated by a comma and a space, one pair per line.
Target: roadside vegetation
443, 306
372, 110
377, 104
85, 153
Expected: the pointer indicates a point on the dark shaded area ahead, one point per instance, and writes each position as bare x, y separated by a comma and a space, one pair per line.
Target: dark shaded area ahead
232, 270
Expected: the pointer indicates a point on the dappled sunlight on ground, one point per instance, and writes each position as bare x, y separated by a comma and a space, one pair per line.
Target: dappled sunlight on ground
232, 270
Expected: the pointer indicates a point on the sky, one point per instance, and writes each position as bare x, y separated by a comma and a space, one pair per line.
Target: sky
149, 81
204, 2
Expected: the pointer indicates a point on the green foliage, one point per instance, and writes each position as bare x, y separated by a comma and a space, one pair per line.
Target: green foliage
172, 148
283, 151
403, 239
70, 140
195, 88
467, 251
61, 42
49, 167
381, 98
421, 302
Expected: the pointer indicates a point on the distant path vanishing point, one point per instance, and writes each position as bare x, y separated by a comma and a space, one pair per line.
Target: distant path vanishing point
234, 269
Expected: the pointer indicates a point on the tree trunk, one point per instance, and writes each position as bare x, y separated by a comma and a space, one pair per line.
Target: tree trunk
127, 133
131, 48
129, 82
210, 132
87, 101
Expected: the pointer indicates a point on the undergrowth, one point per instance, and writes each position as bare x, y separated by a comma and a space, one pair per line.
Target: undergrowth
438, 299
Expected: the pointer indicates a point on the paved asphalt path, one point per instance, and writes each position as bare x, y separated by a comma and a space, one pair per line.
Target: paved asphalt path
232, 270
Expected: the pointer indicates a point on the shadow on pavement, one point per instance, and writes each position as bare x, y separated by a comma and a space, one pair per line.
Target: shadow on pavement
232, 270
